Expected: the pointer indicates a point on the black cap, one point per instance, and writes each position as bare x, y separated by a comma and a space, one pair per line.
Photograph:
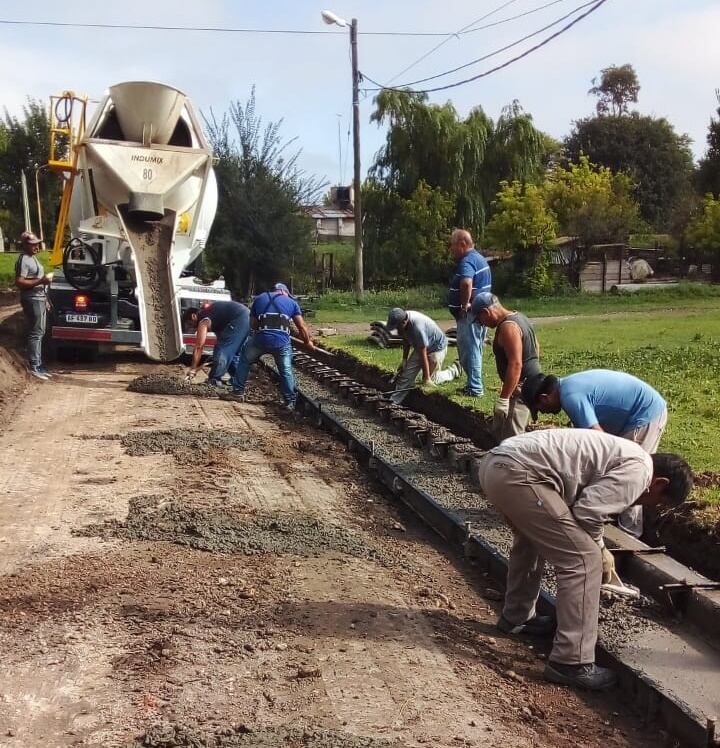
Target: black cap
538, 384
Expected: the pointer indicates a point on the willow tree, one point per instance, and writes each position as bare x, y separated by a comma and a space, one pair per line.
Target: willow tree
462, 160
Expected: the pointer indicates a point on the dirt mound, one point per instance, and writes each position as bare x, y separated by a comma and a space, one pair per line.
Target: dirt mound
140, 443
176, 736
167, 384
12, 368
217, 531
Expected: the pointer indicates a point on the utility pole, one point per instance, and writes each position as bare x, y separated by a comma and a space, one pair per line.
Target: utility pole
359, 281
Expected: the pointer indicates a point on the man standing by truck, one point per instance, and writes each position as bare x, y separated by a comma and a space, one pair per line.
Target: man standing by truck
30, 278
270, 317
230, 321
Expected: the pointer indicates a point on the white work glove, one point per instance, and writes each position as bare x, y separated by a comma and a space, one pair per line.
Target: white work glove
608, 563
190, 375
502, 407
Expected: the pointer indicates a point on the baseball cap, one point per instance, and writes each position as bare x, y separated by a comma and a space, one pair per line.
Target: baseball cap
281, 287
27, 237
484, 300
396, 316
538, 384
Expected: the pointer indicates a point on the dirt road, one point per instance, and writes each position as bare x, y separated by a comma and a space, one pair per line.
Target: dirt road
185, 572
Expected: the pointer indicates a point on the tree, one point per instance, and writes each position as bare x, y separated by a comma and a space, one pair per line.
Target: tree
523, 223
25, 146
703, 233
649, 150
259, 235
708, 173
618, 87
592, 203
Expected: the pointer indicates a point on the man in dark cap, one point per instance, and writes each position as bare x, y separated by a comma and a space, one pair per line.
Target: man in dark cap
516, 358
30, 278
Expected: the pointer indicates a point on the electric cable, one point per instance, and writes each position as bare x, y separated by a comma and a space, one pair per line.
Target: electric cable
507, 63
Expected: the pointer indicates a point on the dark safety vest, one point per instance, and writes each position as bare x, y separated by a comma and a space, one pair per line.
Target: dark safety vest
273, 320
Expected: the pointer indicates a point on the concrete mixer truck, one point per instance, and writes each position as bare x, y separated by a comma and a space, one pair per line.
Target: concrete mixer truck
138, 202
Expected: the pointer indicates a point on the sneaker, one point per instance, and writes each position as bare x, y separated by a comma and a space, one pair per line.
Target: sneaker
591, 677
537, 626
45, 372
233, 396
290, 406
467, 393
218, 384
38, 373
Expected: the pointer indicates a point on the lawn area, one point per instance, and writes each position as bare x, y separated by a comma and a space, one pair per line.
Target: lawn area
7, 267
675, 351
340, 306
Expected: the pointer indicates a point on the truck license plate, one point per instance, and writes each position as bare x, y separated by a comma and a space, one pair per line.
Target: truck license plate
88, 319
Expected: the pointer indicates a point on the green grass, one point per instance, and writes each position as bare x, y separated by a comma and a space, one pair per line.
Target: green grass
340, 306
676, 351
7, 267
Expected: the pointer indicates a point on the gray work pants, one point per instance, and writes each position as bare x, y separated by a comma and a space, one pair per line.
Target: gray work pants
544, 528
35, 316
514, 423
406, 378
648, 437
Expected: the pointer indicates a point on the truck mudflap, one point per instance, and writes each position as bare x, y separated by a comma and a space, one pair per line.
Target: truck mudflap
118, 336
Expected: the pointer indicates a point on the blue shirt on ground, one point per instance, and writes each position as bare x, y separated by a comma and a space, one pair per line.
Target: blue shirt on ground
423, 332
474, 266
274, 302
222, 313
615, 401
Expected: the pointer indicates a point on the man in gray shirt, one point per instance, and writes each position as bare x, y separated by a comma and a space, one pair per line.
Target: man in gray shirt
30, 278
429, 348
557, 488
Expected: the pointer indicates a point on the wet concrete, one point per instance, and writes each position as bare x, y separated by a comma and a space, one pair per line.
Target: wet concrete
174, 441
166, 384
207, 528
177, 736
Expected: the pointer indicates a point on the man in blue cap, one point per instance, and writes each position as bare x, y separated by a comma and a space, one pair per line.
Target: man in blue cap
429, 348
517, 357
270, 317
471, 277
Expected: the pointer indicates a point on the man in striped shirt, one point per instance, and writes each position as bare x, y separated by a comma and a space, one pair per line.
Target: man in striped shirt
472, 276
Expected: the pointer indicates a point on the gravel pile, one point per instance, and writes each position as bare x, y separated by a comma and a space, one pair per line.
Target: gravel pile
166, 384
140, 443
153, 518
176, 736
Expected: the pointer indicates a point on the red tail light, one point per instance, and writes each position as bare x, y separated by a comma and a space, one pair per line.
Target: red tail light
81, 302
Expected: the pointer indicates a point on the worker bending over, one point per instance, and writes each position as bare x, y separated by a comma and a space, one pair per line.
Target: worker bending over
230, 321
516, 358
604, 400
270, 317
556, 488
429, 348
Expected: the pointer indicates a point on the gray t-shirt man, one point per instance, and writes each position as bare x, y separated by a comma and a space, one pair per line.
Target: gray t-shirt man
423, 332
28, 266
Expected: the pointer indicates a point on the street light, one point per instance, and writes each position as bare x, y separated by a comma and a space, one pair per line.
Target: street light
331, 19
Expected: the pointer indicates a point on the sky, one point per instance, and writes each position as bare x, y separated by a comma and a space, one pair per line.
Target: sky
305, 79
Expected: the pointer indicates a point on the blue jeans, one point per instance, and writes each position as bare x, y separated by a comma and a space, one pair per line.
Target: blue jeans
283, 360
35, 315
228, 346
470, 340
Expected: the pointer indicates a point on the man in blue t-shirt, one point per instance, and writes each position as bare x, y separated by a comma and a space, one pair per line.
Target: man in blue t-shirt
604, 400
472, 276
270, 317
230, 321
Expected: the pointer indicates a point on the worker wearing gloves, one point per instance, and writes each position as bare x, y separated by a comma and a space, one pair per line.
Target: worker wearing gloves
516, 358
30, 278
270, 317
472, 276
429, 348
230, 321
556, 488
604, 400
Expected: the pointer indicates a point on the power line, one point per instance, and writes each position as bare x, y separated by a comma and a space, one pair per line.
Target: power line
484, 74
449, 37
505, 48
512, 18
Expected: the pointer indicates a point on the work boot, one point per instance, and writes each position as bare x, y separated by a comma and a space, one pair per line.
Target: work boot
589, 676
536, 626
234, 397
